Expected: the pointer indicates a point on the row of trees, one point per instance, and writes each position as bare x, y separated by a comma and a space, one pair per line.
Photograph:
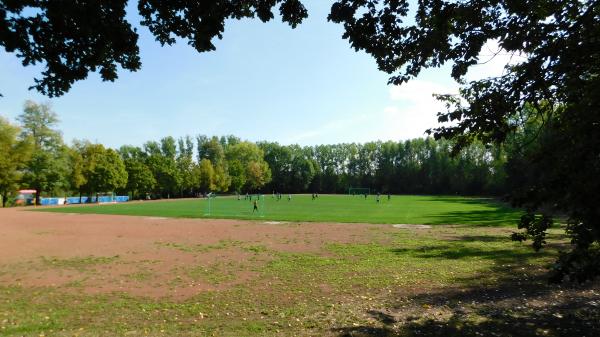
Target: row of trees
35, 156
172, 168
422, 166
228, 164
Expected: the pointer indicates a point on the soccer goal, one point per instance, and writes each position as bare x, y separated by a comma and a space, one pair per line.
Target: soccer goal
231, 206
105, 198
359, 190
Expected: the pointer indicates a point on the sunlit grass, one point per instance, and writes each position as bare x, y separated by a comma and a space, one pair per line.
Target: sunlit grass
403, 209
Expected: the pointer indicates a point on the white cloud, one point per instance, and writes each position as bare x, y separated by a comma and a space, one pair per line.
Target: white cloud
412, 109
391, 110
418, 91
492, 60
331, 128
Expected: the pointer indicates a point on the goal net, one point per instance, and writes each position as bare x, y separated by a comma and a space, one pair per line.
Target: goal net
359, 190
105, 198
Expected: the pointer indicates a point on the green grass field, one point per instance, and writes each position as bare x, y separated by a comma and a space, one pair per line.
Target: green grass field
433, 210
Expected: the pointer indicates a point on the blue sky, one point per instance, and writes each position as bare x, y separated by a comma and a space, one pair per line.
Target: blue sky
265, 81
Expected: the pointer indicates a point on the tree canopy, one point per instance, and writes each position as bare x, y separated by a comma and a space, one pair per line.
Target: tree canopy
46, 167
73, 38
14, 154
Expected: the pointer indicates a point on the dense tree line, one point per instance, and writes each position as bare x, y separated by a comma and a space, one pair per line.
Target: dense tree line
171, 168
14, 154
35, 156
421, 166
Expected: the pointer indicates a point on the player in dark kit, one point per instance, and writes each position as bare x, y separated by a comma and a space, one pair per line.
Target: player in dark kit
255, 203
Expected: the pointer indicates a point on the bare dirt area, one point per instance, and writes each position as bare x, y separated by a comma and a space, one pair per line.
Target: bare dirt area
105, 275
150, 256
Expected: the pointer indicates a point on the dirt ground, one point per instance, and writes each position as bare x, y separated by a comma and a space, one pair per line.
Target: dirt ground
167, 260
139, 247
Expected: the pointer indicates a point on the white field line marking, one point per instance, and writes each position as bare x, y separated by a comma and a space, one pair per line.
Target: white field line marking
404, 226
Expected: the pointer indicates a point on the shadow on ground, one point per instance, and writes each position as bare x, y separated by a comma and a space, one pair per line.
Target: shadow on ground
494, 212
491, 217
520, 303
490, 312
459, 250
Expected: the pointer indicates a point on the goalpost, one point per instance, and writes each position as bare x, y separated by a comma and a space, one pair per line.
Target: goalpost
359, 190
105, 198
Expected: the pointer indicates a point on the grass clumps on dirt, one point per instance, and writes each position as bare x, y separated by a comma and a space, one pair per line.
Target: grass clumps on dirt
301, 280
78, 263
199, 248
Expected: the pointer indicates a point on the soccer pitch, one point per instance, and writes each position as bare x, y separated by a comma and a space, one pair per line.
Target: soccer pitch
405, 209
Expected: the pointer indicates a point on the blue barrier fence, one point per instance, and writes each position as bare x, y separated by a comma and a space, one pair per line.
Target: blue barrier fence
48, 201
83, 200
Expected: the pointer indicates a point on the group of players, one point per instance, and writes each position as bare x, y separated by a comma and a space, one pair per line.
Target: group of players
378, 196
278, 196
